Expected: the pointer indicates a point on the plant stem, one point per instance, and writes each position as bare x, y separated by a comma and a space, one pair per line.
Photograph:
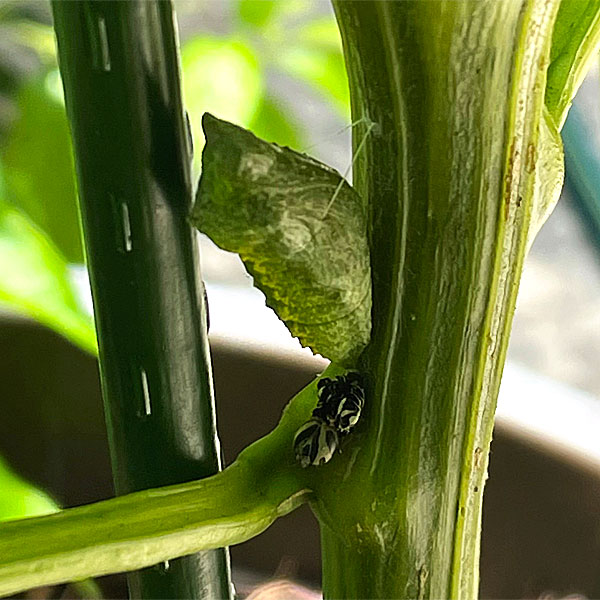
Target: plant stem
139, 529
119, 63
456, 90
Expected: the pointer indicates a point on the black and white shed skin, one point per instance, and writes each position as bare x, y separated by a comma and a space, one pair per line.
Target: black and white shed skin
338, 410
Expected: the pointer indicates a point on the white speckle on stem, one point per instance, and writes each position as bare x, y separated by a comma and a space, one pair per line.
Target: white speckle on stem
126, 222
103, 49
98, 39
146, 393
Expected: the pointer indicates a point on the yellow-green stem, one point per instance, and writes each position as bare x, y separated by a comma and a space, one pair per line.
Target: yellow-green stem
456, 90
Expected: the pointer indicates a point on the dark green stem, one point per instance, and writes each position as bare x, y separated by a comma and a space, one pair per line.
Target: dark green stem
119, 63
456, 92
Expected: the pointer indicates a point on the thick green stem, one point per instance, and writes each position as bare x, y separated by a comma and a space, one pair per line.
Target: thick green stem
120, 70
137, 530
456, 91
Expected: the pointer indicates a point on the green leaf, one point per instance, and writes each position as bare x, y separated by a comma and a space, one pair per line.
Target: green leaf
222, 76
575, 42
38, 163
549, 163
32, 35
34, 280
300, 230
26, 45
19, 498
257, 12
322, 33
273, 122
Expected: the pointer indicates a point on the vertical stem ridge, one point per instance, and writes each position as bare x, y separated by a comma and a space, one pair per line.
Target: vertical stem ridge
397, 288
527, 105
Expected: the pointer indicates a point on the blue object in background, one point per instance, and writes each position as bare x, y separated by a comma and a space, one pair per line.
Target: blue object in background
581, 138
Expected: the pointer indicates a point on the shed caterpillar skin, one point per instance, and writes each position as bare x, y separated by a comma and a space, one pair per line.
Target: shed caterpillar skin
315, 443
338, 410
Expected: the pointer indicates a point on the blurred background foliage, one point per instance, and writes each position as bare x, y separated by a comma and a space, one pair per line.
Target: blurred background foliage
232, 73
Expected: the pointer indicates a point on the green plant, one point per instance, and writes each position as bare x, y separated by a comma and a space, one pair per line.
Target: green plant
458, 109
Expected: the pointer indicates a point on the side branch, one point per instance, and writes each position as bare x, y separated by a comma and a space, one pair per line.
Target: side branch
147, 527
144, 528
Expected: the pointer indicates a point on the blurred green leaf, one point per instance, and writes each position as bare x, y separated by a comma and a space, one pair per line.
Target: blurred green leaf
19, 498
273, 122
300, 230
322, 33
574, 45
33, 35
34, 280
222, 76
38, 164
26, 42
26, 49
257, 12
29, 10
